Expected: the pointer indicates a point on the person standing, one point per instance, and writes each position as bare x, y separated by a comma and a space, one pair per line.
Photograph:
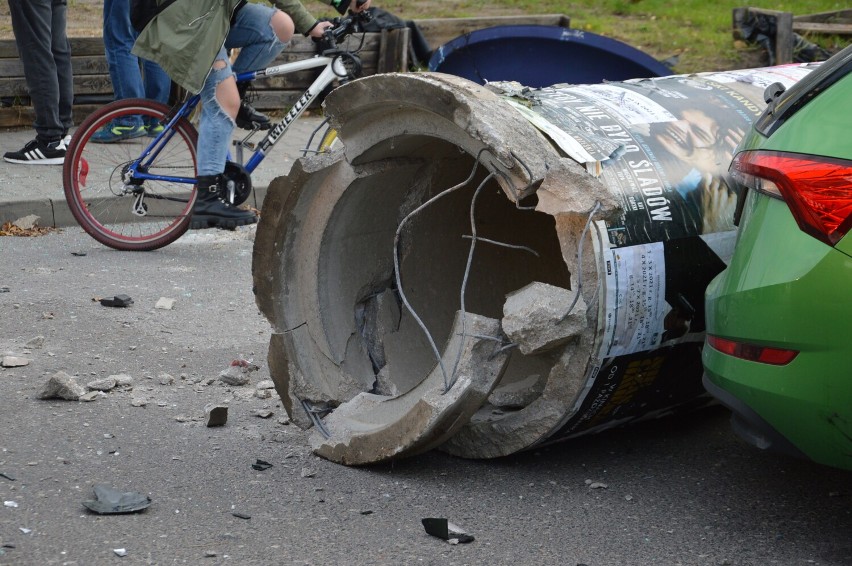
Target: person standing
129, 79
40, 35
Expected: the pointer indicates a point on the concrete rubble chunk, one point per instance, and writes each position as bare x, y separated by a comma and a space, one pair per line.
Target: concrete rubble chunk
103, 384
27, 222
36, 343
14, 362
122, 380
234, 375
372, 428
216, 415
537, 317
61, 386
165, 303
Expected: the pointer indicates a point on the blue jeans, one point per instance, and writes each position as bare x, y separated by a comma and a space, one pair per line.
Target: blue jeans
252, 32
124, 67
45, 52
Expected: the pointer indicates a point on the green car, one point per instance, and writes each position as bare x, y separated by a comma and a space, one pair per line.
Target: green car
778, 350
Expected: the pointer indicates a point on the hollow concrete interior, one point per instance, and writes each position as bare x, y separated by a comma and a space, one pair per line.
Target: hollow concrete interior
356, 262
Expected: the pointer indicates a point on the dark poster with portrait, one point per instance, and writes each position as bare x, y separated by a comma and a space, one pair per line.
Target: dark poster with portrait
662, 146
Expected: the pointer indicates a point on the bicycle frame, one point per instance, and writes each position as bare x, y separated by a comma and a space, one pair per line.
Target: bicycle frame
334, 69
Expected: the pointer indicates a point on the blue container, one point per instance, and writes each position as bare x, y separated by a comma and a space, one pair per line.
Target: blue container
541, 56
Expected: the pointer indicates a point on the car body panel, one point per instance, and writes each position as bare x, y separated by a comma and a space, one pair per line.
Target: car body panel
786, 289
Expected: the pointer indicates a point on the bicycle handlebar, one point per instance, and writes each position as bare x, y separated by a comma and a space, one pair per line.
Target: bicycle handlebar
345, 26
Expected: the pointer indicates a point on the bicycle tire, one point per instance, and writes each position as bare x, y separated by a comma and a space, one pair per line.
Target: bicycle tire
104, 205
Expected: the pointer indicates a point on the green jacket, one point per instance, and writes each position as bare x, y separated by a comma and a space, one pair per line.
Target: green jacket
186, 36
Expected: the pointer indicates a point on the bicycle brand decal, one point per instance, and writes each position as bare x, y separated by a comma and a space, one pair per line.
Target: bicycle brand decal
281, 127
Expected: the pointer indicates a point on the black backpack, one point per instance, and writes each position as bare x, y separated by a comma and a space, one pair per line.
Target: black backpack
143, 11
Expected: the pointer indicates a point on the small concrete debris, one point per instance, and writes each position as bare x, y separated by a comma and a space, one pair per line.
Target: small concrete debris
262, 413
210, 554
596, 484
263, 393
165, 303
61, 386
237, 374
110, 501
166, 379
308, 473
25, 530
216, 415
102, 384
14, 362
122, 380
35, 343
92, 396
119, 301
138, 402
265, 384
27, 222
120, 551
12, 504
443, 529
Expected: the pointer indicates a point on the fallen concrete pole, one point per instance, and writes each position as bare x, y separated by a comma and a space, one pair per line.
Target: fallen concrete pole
455, 277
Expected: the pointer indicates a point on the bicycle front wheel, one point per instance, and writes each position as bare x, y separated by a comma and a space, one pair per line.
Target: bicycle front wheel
115, 209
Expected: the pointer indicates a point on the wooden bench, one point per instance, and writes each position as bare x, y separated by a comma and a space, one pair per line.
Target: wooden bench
382, 52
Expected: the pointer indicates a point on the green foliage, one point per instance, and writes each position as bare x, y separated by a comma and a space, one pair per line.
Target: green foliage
697, 32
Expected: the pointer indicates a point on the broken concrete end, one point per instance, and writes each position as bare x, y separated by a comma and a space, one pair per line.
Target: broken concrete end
373, 428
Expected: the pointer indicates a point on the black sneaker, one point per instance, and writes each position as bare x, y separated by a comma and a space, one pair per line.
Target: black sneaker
38, 153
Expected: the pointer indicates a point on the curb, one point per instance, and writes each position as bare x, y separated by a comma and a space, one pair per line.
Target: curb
56, 213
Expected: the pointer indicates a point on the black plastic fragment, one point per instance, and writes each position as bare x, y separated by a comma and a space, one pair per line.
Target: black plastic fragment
239, 515
443, 529
261, 465
117, 301
7, 476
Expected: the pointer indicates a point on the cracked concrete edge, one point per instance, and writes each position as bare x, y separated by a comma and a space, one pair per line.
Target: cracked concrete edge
370, 428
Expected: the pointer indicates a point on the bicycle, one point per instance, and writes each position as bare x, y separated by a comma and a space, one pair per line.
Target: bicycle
138, 194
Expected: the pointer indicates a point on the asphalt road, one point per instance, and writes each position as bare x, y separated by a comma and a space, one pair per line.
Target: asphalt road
679, 491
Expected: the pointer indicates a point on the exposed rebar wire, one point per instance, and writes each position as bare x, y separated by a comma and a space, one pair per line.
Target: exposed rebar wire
310, 141
313, 414
503, 244
473, 239
397, 270
503, 349
580, 247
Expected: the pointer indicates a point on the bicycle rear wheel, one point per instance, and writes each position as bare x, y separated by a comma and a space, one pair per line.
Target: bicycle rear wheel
116, 210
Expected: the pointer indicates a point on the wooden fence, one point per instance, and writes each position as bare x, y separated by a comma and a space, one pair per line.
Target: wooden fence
382, 52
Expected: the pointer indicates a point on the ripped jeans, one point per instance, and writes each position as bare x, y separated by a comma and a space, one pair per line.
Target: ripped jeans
252, 32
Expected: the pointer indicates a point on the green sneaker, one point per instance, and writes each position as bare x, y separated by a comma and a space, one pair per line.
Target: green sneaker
153, 130
113, 132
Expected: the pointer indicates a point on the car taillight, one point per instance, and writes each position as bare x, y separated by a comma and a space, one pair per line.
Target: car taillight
818, 190
752, 352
